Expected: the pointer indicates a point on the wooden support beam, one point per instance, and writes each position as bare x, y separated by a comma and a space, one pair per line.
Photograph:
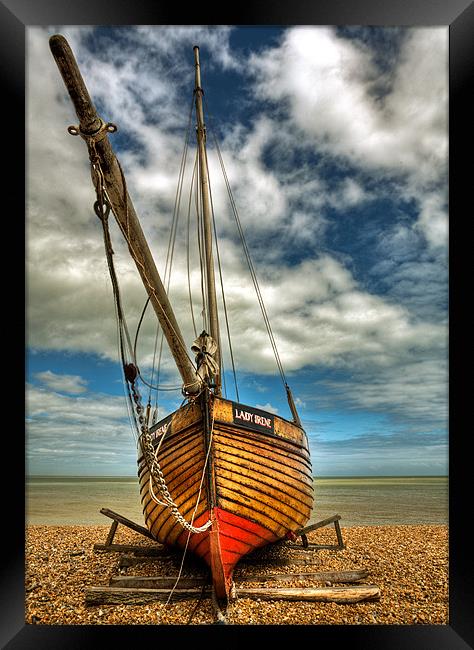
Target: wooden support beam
340, 541
120, 519
132, 548
352, 594
317, 576
314, 547
319, 524
122, 595
168, 582
131, 560
112, 531
132, 596
158, 582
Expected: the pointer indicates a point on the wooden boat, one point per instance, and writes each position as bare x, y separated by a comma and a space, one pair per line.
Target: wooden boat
217, 478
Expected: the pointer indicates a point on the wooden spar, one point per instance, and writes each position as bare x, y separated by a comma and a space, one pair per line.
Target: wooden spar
206, 207
89, 125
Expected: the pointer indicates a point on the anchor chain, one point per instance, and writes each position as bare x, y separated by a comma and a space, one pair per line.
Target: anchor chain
155, 470
102, 208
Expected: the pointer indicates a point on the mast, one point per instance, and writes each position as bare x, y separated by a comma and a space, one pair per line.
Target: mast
93, 129
206, 207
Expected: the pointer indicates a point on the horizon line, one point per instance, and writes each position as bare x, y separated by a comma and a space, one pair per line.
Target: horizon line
132, 476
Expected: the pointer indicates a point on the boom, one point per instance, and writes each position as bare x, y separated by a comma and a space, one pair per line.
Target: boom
93, 130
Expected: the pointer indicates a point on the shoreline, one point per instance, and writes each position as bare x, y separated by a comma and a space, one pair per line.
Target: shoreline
409, 563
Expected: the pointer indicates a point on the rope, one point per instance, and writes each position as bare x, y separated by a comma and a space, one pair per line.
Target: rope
250, 263
188, 249
156, 474
219, 266
148, 283
194, 513
102, 209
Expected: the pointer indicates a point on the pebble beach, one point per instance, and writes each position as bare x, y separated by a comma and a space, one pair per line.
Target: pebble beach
409, 564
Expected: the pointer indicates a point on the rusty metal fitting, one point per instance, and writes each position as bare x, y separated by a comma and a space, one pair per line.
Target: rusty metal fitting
104, 129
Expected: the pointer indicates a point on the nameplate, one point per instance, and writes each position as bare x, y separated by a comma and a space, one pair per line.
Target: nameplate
252, 418
161, 428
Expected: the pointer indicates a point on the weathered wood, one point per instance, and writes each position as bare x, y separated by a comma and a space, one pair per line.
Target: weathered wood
122, 206
317, 576
265, 479
131, 560
168, 582
158, 582
126, 522
278, 561
207, 220
321, 594
319, 524
314, 547
340, 541
122, 595
112, 531
131, 548
131, 596
325, 522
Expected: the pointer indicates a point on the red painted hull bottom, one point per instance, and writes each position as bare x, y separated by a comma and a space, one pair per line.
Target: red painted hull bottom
224, 543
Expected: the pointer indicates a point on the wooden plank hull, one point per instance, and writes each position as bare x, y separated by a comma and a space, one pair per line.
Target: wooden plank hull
247, 471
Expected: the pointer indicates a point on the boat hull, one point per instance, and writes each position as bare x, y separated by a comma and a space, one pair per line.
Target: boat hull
245, 470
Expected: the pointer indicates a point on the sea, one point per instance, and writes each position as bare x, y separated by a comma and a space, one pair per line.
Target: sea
359, 500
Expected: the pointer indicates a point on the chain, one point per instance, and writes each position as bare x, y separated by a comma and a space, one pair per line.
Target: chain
156, 472
102, 208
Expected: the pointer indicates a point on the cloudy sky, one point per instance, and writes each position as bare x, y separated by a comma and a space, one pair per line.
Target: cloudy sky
335, 145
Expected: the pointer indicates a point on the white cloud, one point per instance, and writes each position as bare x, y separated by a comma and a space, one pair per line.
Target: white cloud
320, 312
327, 84
267, 407
64, 383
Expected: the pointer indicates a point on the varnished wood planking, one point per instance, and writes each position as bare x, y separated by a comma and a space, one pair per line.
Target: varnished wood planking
278, 459
178, 485
290, 472
299, 490
250, 475
266, 478
265, 442
263, 490
182, 466
181, 458
186, 502
240, 501
277, 528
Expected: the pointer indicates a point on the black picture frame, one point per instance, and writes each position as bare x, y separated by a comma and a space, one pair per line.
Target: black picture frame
15, 17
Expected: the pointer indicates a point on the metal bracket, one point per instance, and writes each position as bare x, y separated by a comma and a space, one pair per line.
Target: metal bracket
104, 129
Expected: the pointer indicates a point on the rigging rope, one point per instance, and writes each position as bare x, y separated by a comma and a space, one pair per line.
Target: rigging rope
249, 261
167, 276
226, 316
188, 249
102, 209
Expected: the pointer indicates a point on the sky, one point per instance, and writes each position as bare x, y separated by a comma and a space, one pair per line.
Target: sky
335, 144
